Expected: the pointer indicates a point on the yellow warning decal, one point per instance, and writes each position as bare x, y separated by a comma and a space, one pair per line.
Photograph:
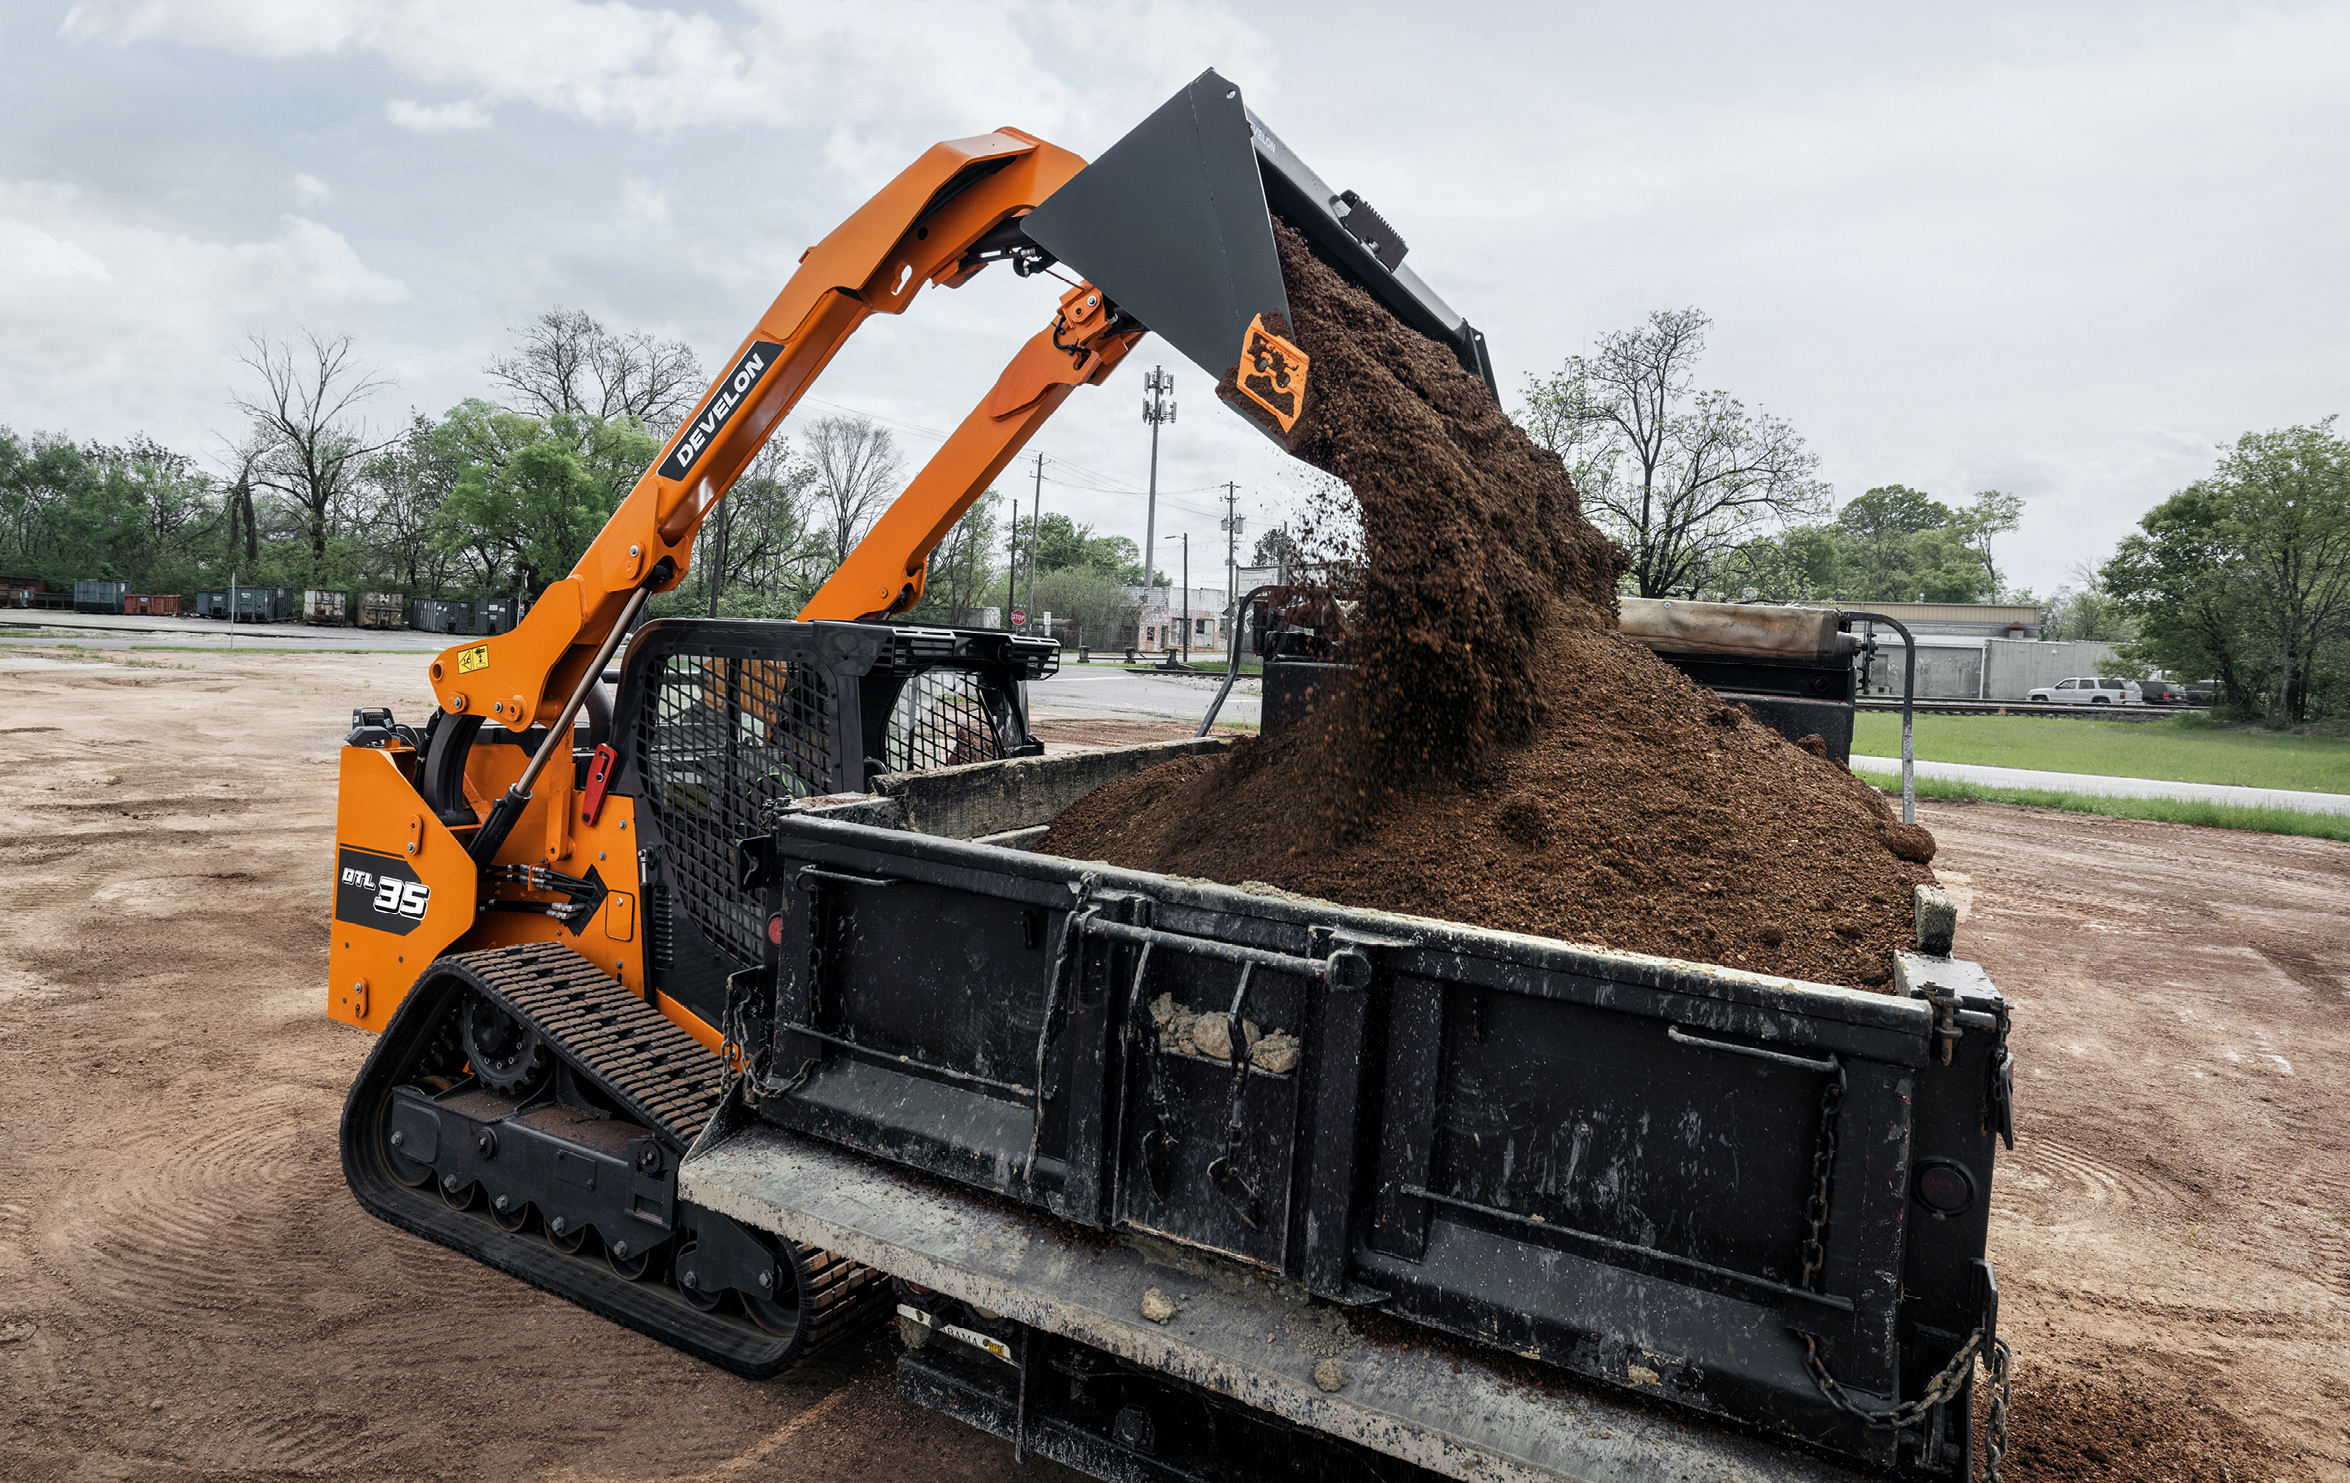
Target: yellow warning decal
469, 660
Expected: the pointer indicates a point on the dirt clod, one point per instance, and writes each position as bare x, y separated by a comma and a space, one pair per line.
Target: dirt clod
1330, 1375
1157, 1306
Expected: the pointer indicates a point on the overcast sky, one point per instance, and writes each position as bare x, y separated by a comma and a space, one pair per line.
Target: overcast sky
2064, 250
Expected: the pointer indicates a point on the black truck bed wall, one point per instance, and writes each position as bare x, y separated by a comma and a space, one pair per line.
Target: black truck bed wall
1598, 1159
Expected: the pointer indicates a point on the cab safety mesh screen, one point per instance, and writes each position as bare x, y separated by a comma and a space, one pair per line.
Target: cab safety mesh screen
941, 719
723, 740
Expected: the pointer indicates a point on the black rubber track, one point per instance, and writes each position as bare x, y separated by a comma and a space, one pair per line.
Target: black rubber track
646, 1065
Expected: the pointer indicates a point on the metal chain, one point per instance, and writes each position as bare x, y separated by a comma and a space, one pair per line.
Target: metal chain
1951, 1379
732, 1056
1995, 1425
1946, 1386
1823, 1171
1941, 1388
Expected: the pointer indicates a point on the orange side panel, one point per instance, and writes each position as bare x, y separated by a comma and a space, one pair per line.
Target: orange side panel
404, 890
376, 955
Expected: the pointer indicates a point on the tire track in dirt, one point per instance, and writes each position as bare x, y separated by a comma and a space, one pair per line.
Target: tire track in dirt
204, 1298
2179, 1305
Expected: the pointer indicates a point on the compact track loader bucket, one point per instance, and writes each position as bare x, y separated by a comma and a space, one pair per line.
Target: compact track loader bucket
1174, 223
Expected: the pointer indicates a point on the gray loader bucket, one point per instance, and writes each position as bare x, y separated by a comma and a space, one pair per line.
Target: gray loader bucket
1174, 223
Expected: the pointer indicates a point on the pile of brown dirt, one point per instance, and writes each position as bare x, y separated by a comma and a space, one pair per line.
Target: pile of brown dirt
1504, 758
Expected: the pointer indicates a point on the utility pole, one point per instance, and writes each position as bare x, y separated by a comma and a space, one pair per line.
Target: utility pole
1157, 408
1035, 522
1012, 565
1232, 524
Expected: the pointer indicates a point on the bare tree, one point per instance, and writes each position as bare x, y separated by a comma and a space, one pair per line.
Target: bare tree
236, 500
857, 468
1681, 477
571, 366
306, 422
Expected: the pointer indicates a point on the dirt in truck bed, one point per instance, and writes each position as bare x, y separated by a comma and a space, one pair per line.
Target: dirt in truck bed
1505, 758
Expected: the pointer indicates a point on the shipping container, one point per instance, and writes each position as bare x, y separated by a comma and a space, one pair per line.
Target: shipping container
24, 592
493, 615
267, 604
441, 615
98, 595
382, 610
333, 608
155, 604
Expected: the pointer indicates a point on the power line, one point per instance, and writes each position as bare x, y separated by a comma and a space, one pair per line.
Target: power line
1104, 483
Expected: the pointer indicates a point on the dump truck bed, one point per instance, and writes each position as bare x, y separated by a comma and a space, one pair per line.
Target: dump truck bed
1626, 1195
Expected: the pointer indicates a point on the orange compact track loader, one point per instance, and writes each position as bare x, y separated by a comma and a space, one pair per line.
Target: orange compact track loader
547, 961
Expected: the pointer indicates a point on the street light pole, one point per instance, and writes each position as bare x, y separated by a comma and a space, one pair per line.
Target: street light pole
1182, 603
1035, 522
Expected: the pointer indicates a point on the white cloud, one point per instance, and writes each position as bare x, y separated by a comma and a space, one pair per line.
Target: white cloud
311, 188
436, 118
27, 252
640, 201
92, 307
912, 68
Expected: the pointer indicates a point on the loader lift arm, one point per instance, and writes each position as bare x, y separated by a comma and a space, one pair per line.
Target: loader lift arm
940, 221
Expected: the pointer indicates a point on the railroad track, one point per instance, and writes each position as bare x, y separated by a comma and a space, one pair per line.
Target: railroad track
2029, 708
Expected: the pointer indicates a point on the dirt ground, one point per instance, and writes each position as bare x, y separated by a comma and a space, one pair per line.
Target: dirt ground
188, 1292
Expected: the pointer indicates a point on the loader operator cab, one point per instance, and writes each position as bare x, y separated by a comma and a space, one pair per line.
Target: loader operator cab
720, 724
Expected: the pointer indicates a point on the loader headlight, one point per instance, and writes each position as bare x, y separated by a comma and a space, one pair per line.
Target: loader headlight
1943, 1187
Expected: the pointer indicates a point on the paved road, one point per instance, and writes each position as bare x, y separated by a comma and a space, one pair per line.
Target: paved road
1091, 690
134, 631
2104, 787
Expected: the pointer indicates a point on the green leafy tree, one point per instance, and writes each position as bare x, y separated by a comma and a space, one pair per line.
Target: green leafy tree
1097, 602
530, 495
774, 554
1986, 517
1888, 530
1061, 544
1275, 548
2245, 575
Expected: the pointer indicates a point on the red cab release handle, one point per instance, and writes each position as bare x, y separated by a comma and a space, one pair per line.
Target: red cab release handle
599, 778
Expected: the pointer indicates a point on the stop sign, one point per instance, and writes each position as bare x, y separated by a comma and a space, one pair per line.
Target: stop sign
1019, 616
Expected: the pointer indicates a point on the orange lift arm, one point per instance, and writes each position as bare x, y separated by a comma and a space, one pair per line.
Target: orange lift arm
923, 227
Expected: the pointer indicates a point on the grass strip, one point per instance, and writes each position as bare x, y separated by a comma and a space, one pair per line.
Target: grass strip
2177, 749
2160, 810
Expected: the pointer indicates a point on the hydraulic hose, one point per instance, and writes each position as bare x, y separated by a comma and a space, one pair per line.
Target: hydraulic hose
491, 836
1231, 664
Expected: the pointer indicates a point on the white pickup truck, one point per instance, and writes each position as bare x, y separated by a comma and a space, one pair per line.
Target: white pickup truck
2087, 690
